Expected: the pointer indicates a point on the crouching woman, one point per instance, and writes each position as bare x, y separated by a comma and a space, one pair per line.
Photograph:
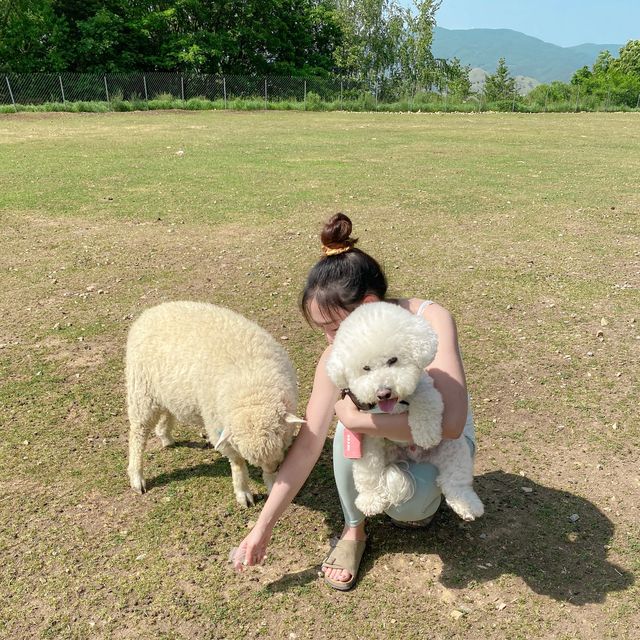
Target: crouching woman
343, 279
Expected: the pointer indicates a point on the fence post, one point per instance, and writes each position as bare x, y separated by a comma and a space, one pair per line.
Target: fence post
146, 94
638, 102
341, 94
182, 86
546, 97
61, 88
265, 93
578, 98
106, 88
305, 95
606, 108
224, 90
513, 103
11, 93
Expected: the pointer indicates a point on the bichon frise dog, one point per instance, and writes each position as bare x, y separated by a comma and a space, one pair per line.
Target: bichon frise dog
379, 357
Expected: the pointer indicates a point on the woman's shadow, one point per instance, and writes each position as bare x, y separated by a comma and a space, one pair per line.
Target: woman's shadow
555, 541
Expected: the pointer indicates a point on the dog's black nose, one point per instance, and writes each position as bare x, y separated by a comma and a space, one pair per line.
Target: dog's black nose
383, 393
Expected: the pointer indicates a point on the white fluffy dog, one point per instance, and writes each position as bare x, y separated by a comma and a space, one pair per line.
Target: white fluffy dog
379, 357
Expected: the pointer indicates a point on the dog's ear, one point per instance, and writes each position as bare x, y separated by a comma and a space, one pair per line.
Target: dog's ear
336, 371
424, 342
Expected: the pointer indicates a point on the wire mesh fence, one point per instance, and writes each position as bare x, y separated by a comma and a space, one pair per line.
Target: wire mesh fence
41, 88
46, 88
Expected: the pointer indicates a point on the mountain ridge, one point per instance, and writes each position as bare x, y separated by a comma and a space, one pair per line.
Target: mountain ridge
525, 55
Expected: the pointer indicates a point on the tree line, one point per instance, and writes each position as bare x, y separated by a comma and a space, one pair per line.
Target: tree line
612, 82
381, 41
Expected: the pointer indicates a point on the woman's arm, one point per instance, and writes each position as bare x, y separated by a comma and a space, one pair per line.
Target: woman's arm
447, 371
297, 465
448, 377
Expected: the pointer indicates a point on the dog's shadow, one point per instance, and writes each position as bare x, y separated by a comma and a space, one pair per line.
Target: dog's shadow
555, 541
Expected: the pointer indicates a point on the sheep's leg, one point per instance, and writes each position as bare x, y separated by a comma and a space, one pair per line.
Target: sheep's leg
139, 431
269, 477
239, 475
164, 428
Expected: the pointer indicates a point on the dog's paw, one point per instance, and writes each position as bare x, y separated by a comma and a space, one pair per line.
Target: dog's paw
371, 504
468, 507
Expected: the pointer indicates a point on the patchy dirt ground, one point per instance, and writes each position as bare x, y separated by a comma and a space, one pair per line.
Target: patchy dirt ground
538, 261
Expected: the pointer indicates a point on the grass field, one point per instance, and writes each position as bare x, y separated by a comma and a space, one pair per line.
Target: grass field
524, 226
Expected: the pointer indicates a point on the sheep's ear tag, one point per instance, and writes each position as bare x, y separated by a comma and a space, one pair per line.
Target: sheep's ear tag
224, 436
289, 418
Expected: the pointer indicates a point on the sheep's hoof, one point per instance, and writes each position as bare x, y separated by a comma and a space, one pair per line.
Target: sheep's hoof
167, 442
140, 489
137, 484
245, 499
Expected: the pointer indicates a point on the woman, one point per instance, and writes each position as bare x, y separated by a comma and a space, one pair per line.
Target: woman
343, 279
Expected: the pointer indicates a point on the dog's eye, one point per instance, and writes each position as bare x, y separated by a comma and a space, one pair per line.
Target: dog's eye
391, 361
367, 367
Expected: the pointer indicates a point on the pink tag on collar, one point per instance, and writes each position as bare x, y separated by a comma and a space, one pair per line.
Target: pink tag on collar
352, 444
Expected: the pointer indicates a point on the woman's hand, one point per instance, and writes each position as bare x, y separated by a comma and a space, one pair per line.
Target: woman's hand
348, 414
252, 550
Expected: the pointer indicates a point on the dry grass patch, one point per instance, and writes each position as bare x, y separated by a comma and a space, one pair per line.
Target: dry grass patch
524, 226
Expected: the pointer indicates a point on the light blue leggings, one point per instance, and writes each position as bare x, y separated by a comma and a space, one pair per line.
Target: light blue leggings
424, 502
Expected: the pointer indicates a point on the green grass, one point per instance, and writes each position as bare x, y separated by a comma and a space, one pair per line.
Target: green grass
429, 104
525, 226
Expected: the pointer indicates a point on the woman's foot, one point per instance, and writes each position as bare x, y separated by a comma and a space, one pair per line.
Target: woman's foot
338, 574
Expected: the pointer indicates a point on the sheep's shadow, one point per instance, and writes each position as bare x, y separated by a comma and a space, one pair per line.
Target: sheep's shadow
318, 493
532, 534
215, 469
203, 443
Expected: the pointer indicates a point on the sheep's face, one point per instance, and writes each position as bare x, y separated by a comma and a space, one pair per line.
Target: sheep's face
263, 431
379, 353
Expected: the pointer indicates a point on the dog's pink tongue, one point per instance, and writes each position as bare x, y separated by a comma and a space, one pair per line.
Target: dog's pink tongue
387, 405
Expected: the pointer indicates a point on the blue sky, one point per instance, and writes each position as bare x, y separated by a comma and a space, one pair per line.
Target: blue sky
562, 22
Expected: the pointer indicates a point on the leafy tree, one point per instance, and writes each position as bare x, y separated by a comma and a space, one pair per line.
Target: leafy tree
500, 85
556, 91
581, 76
32, 37
230, 36
457, 79
415, 62
387, 44
629, 60
612, 81
367, 46
602, 63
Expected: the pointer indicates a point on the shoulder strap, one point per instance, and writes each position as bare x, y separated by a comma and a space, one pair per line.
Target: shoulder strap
423, 306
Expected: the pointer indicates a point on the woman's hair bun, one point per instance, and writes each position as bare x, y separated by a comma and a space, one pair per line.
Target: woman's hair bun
337, 231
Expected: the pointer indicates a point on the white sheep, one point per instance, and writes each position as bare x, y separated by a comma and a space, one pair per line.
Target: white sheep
202, 364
